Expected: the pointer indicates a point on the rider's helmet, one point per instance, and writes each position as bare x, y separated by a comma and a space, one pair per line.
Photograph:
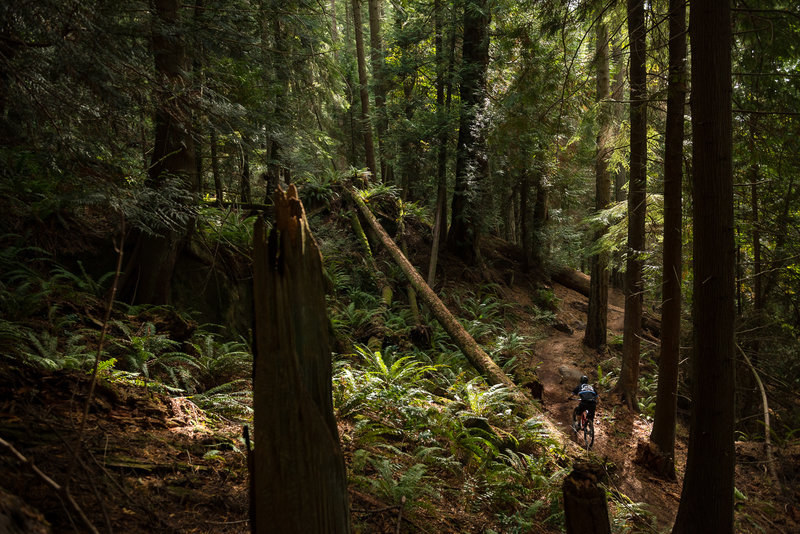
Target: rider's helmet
584, 379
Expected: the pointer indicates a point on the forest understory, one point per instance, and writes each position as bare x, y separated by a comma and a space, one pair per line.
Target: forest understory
151, 462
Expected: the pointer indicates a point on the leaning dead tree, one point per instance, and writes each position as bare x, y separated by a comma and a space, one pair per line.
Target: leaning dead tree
474, 353
299, 483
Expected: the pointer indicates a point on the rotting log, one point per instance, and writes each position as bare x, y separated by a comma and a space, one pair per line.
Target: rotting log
473, 352
585, 503
299, 474
580, 282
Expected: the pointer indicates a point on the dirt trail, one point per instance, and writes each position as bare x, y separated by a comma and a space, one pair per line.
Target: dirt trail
561, 358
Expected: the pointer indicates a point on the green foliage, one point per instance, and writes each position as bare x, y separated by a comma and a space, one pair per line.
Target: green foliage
81, 282
232, 399
399, 485
226, 226
648, 388
319, 189
146, 352
218, 362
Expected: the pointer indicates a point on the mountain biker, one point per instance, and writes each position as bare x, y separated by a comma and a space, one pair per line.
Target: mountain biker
588, 397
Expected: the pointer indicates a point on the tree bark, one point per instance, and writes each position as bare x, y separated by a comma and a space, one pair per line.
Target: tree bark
471, 159
707, 500
300, 483
540, 209
628, 384
524, 227
663, 435
585, 503
363, 89
215, 167
244, 176
597, 317
376, 55
443, 86
150, 270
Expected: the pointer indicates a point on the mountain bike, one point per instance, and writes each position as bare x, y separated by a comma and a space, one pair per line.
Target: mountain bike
586, 424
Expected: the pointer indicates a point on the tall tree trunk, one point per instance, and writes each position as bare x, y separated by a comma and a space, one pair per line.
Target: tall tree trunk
663, 435
540, 209
707, 498
376, 55
443, 86
758, 269
300, 483
244, 176
277, 168
215, 167
363, 83
524, 218
150, 271
471, 158
628, 383
597, 316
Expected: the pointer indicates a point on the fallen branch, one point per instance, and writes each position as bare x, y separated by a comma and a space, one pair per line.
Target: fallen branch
578, 281
103, 331
63, 491
767, 441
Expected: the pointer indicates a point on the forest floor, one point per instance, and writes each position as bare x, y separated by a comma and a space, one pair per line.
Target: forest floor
154, 464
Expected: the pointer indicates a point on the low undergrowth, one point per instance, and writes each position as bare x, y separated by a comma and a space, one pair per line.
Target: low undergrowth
422, 432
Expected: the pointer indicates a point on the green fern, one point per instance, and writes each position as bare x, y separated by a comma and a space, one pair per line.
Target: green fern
81, 282
233, 399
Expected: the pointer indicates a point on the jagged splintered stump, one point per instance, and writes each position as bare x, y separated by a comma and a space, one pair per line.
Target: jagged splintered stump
585, 504
299, 483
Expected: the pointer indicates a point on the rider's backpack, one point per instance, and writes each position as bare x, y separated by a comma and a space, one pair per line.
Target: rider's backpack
587, 393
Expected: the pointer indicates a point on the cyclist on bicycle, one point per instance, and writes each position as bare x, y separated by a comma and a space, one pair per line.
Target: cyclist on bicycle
588, 397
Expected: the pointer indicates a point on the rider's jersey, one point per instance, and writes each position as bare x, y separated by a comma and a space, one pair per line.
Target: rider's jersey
586, 392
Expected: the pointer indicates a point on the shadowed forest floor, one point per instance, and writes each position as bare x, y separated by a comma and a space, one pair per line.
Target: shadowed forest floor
155, 464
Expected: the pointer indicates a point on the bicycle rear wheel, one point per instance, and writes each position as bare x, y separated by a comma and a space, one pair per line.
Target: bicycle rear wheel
588, 434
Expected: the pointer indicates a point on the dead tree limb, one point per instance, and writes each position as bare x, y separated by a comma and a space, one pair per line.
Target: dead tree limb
767, 441
474, 353
63, 491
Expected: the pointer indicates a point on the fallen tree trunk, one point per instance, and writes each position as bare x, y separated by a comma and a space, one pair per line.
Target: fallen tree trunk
580, 282
474, 353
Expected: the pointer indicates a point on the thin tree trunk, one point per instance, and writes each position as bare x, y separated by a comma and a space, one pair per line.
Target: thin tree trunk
300, 482
244, 176
663, 435
540, 208
770, 461
707, 499
597, 317
376, 55
524, 226
628, 384
363, 82
471, 159
215, 167
442, 109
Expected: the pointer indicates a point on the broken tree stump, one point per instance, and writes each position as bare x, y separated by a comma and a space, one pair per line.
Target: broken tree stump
585, 503
299, 481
